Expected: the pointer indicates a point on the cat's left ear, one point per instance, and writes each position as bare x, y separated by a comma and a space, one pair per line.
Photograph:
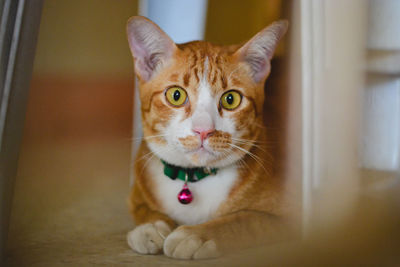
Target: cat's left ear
258, 52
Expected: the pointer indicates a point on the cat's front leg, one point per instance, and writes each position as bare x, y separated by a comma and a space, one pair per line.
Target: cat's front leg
152, 226
224, 234
188, 242
149, 238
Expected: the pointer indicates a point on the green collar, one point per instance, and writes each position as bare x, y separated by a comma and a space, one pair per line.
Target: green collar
194, 174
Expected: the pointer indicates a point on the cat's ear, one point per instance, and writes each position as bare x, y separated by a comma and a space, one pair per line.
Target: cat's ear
150, 46
258, 51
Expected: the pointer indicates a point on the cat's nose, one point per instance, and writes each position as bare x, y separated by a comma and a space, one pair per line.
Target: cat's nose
204, 133
203, 125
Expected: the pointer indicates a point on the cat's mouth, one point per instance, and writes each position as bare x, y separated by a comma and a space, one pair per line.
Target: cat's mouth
204, 151
201, 150
193, 144
201, 155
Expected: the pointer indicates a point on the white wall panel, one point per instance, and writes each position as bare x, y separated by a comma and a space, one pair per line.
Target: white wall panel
380, 136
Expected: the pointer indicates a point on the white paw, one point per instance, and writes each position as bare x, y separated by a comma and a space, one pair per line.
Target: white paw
182, 244
148, 238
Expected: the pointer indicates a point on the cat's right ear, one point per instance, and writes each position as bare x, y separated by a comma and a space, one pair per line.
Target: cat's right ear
150, 46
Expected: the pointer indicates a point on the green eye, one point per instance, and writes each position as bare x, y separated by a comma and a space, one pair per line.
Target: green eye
176, 96
231, 100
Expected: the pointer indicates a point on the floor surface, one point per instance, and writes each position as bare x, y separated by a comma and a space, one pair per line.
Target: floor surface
69, 206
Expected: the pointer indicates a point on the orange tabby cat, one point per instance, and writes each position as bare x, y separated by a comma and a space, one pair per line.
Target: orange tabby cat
203, 182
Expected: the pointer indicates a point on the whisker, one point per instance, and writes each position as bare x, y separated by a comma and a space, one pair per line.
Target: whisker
139, 139
240, 161
152, 156
146, 163
145, 155
255, 157
249, 142
154, 136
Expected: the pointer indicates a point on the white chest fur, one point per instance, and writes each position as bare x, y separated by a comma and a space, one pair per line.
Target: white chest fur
208, 194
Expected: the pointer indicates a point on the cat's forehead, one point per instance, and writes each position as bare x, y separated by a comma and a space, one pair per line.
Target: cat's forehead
206, 57
199, 64
203, 49
199, 61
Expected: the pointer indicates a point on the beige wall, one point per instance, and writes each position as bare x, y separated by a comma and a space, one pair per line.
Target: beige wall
84, 37
233, 21
88, 36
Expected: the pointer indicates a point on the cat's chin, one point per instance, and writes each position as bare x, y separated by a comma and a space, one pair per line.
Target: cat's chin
203, 157
200, 157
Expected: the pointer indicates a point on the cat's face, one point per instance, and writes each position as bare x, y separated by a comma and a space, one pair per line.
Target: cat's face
200, 108
201, 104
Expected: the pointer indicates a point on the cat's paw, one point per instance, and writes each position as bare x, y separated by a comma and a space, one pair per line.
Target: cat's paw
148, 238
186, 244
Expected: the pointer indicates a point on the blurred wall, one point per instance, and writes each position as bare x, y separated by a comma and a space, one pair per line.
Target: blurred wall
235, 21
88, 36
84, 37
83, 70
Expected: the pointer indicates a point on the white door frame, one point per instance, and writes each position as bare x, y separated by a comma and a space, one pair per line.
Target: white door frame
332, 54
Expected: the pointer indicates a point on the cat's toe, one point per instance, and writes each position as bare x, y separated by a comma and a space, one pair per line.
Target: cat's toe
183, 244
148, 238
207, 251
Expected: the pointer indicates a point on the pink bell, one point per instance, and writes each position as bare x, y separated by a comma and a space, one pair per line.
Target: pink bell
185, 196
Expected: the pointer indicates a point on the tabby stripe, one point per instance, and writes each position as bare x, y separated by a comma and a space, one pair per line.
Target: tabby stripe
174, 77
186, 79
214, 79
196, 74
194, 59
223, 81
147, 109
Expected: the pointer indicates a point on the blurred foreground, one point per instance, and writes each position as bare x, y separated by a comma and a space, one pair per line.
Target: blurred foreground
70, 206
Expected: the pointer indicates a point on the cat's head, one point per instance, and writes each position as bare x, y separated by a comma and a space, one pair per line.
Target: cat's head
201, 103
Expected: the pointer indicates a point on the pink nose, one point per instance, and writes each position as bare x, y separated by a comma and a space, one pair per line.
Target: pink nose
204, 133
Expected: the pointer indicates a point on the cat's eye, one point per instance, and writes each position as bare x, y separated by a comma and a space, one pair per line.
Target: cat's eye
231, 100
176, 96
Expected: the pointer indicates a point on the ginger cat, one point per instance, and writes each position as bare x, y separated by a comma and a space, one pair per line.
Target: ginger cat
203, 183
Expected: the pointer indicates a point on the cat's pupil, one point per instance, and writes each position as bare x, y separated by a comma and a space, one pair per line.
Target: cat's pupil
177, 95
229, 99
